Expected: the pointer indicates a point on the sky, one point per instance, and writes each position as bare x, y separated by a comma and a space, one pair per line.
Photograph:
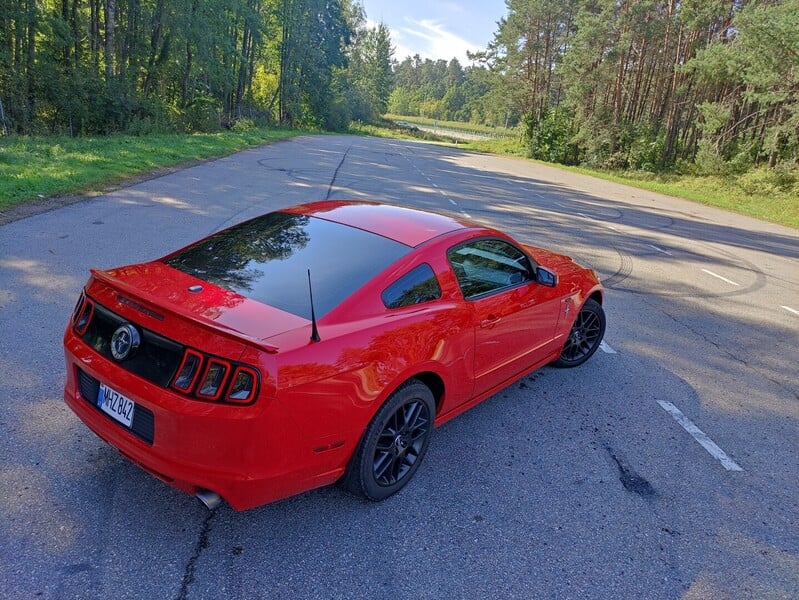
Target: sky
437, 28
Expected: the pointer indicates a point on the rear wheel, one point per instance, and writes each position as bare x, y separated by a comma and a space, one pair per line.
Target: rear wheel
585, 336
394, 443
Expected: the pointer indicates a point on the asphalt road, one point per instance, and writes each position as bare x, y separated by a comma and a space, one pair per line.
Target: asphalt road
584, 483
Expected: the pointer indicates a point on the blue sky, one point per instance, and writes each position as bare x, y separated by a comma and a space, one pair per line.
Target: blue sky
437, 28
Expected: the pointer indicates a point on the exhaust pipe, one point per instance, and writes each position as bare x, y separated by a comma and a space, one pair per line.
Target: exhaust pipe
210, 499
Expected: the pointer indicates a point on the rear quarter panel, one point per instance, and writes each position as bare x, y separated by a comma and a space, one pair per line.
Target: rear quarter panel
334, 387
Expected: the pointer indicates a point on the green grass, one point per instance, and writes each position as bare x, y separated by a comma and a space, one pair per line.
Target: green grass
761, 193
32, 168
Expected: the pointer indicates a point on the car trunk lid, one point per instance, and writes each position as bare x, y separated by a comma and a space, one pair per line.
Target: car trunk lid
154, 288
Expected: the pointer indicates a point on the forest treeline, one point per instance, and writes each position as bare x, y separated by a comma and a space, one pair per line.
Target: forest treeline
639, 84
100, 66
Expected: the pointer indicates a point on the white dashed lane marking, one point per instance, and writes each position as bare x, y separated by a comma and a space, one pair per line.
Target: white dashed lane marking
606, 348
717, 276
790, 310
661, 250
700, 436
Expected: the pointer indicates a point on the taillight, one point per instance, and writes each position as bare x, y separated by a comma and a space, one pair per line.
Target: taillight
83, 314
213, 379
243, 387
188, 372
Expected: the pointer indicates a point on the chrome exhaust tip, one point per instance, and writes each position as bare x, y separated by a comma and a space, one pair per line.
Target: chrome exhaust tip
210, 499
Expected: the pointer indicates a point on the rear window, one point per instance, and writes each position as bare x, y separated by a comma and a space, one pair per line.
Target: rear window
268, 258
415, 287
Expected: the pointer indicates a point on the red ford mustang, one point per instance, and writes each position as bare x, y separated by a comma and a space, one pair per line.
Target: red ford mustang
315, 344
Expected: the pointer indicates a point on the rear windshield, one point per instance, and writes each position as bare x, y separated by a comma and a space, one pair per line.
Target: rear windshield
268, 258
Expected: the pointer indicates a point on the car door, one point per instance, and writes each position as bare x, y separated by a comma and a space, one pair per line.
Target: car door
514, 316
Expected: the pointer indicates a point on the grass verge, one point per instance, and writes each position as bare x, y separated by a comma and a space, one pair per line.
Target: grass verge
32, 168
761, 193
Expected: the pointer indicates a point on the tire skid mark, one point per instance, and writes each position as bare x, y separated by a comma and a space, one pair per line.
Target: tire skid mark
623, 272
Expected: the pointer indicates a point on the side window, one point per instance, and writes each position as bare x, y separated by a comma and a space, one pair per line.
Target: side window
487, 265
416, 286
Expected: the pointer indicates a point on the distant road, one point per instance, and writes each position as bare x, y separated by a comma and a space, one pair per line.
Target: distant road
665, 467
453, 133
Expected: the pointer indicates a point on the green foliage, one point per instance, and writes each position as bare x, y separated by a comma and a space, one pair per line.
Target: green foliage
88, 68
550, 137
701, 86
446, 91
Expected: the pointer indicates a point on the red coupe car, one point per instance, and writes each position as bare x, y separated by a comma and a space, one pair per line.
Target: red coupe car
316, 344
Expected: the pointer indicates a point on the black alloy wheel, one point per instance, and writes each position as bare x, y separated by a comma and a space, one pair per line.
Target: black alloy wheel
585, 336
394, 444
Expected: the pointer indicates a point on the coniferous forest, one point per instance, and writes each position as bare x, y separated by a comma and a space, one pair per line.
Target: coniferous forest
628, 84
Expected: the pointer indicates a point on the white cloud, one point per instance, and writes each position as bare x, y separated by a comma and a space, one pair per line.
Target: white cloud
428, 39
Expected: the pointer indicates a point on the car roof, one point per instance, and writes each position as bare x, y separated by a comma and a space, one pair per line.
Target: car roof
407, 226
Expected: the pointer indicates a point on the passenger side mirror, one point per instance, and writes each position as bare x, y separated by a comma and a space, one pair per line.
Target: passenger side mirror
546, 277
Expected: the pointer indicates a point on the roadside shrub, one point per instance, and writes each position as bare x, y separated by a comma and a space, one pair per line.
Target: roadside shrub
203, 114
244, 124
550, 137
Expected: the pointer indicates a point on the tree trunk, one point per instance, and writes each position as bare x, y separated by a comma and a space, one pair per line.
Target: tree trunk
110, 24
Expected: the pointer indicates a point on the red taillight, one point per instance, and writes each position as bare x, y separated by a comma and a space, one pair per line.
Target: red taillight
242, 390
83, 314
213, 380
188, 372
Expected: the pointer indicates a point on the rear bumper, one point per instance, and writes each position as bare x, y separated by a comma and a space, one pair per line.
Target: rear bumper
249, 455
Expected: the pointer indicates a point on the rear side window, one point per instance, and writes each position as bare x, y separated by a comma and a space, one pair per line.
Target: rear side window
416, 286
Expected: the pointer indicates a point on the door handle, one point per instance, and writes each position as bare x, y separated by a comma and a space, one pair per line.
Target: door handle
490, 321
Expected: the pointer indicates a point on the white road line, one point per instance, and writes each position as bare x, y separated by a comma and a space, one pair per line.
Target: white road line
613, 228
452, 202
661, 250
606, 348
539, 195
730, 281
700, 436
789, 309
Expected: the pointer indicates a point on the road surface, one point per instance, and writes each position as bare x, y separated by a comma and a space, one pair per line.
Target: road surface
665, 467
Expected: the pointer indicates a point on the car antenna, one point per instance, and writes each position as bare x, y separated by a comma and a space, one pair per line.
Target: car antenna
314, 331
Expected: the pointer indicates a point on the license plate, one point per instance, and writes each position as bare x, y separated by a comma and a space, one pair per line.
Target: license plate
115, 404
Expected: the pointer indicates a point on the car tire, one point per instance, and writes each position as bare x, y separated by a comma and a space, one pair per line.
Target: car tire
585, 336
394, 443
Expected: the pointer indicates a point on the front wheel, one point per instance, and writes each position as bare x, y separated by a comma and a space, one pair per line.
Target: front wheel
585, 336
394, 443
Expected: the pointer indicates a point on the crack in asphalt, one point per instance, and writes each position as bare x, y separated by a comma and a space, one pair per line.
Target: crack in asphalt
335, 173
722, 348
202, 544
